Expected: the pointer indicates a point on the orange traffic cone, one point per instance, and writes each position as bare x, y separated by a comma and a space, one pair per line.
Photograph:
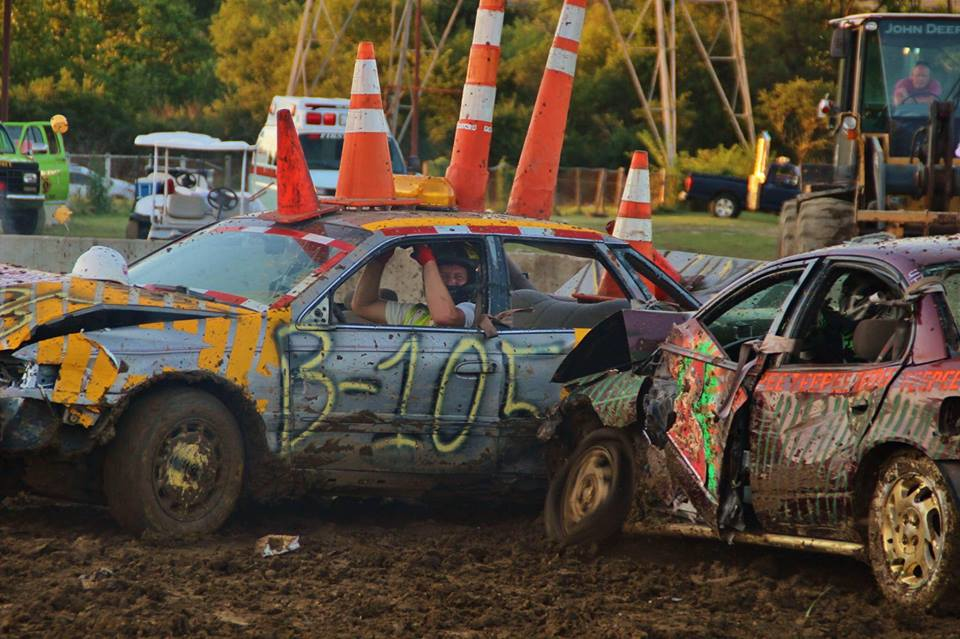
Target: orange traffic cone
365, 169
296, 195
634, 225
536, 180
468, 172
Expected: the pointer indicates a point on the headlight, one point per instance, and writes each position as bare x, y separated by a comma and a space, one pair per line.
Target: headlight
30, 178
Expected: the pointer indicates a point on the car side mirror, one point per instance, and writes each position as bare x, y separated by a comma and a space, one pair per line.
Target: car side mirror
840, 43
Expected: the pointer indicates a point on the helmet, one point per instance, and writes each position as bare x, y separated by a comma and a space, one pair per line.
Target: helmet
101, 263
461, 254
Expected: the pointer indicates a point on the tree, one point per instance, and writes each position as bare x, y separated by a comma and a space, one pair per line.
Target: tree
790, 109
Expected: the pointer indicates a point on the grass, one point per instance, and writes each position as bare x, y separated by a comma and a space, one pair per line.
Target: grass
752, 235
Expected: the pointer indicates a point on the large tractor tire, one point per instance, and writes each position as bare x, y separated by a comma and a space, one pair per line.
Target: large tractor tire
18, 221
824, 221
788, 228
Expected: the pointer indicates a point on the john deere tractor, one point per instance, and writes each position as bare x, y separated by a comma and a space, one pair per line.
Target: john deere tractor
895, 121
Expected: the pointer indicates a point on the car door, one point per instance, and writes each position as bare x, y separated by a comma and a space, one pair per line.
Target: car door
812, 407
369, 399
699, 386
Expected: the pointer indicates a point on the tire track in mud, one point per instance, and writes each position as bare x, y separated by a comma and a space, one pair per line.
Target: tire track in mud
390, 569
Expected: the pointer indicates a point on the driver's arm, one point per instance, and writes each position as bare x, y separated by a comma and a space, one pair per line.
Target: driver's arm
443, 311
366, 300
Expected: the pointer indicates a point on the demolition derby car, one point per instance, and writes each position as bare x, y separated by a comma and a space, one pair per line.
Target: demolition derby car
813, 404
235, 361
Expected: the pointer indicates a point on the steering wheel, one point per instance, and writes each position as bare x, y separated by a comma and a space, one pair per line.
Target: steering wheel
918, 94
223, 199
187, 180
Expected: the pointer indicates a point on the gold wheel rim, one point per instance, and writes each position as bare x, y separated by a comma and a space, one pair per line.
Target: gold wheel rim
590, 486
912, 528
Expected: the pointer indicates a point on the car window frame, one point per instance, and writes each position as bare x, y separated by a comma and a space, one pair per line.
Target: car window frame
377, 246
819, 280
604, 255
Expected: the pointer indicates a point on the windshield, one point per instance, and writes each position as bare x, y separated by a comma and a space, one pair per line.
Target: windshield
907, 65
323, 152
252, 259
6, 145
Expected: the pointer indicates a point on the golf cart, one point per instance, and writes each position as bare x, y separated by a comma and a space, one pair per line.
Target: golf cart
173, 201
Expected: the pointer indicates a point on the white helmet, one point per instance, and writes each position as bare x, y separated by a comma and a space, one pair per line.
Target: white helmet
102, 263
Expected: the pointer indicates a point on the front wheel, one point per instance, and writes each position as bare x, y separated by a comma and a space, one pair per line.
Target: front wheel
724, 205
176, 465
590, 496
913, 544
17, 221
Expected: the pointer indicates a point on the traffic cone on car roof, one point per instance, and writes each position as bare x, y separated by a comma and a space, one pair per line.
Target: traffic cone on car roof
468, 173
296, 195
634, 223
536, 179
365, 169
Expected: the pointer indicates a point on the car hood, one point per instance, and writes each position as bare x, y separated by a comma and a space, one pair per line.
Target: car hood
36, 305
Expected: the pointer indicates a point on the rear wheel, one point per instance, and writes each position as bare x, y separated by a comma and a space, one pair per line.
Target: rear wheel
824, 221
176, 465
788, 228
914, 533
590, 497
18, 221
724, 205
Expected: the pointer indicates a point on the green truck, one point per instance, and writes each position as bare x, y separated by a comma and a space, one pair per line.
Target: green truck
39, 142
21, 196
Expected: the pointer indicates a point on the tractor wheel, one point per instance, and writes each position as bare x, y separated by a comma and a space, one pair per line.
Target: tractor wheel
824, 221
788, 228
914, 534
176, 465
590, 497
17, 221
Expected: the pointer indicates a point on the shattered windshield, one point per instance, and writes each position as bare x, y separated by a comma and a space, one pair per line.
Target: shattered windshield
909, 64
251, 259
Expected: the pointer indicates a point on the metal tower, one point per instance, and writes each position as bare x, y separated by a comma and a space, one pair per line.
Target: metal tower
721, 47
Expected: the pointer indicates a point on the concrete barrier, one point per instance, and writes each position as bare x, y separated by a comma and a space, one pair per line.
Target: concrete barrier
57, 254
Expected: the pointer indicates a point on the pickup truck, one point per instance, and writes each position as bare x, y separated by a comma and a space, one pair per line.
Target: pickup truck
726, 196
21, 206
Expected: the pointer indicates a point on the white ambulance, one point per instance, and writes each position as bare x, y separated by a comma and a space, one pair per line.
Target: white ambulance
321, 123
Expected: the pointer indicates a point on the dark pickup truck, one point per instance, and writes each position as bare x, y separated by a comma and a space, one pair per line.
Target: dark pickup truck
21, 199
726, 196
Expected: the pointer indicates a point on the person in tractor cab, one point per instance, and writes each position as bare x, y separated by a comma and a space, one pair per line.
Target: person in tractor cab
919, 87
449, 282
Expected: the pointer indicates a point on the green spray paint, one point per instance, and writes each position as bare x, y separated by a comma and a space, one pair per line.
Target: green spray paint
703, 405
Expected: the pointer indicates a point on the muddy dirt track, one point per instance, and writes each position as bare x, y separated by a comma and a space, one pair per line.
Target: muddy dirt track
375, 569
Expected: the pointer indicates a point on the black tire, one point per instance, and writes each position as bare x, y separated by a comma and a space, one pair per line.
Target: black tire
906, 577
19, 221
176, 465
824, 221
724, 205
788, 228
137, 230
578, 510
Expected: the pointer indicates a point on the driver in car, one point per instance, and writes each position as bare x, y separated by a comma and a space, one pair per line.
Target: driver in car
449, 282
919, 88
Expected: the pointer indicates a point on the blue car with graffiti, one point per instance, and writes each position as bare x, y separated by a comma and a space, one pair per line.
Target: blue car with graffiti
242, 359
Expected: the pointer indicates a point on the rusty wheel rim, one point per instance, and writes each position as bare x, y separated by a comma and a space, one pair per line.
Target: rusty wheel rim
912, 526
590, 485
187, 470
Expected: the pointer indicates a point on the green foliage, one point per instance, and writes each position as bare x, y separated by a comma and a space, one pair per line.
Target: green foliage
790, 110
731, 160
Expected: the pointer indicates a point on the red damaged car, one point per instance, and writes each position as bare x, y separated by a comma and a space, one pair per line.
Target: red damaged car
814, 404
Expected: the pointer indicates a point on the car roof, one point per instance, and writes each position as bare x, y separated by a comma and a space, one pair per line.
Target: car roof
906, 255
431, 222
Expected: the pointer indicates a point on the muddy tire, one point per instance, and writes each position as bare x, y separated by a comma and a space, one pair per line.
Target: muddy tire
175, 467
823, 222
788, 228
914, 534
16, 221
590, 497
724, 205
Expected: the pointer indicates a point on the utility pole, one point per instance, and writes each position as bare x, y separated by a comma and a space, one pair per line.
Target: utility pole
415, 93
5, 95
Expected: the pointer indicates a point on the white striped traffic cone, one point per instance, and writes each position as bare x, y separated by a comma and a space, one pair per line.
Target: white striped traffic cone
536, 179
365, 169
468, 172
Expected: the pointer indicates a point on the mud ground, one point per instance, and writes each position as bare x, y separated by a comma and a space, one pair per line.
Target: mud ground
396, 570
